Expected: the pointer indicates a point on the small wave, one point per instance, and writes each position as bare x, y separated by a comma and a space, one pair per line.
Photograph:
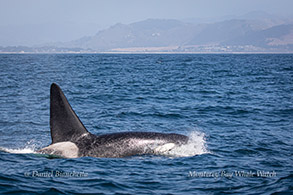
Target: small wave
18, 151
196, 145
30, 147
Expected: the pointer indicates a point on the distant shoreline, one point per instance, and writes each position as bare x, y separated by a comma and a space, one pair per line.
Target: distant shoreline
1, 53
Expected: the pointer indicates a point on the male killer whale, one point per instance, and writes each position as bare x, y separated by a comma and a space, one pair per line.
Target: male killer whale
70, 138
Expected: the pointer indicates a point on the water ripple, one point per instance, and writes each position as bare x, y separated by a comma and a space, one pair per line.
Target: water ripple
240, 107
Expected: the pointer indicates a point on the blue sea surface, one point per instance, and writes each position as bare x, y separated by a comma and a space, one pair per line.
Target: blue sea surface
236, 109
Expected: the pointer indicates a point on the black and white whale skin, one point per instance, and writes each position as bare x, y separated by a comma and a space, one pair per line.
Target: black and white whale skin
70, 138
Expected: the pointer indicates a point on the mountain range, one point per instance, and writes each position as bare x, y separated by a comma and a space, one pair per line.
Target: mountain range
254, 32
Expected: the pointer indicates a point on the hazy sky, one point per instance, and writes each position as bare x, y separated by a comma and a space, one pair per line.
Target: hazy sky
109, 12
29, 22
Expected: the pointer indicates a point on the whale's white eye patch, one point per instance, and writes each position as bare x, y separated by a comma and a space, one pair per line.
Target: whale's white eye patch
64, 149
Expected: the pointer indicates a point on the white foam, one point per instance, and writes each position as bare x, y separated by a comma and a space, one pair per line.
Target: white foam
30, 147
196, 145
18, 151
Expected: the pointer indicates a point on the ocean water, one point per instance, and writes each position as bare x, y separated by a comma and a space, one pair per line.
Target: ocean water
236, 109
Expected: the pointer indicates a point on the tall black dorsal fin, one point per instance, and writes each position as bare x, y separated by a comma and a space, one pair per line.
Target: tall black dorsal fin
64, 123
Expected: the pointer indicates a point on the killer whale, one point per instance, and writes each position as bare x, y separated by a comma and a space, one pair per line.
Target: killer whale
70, 138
